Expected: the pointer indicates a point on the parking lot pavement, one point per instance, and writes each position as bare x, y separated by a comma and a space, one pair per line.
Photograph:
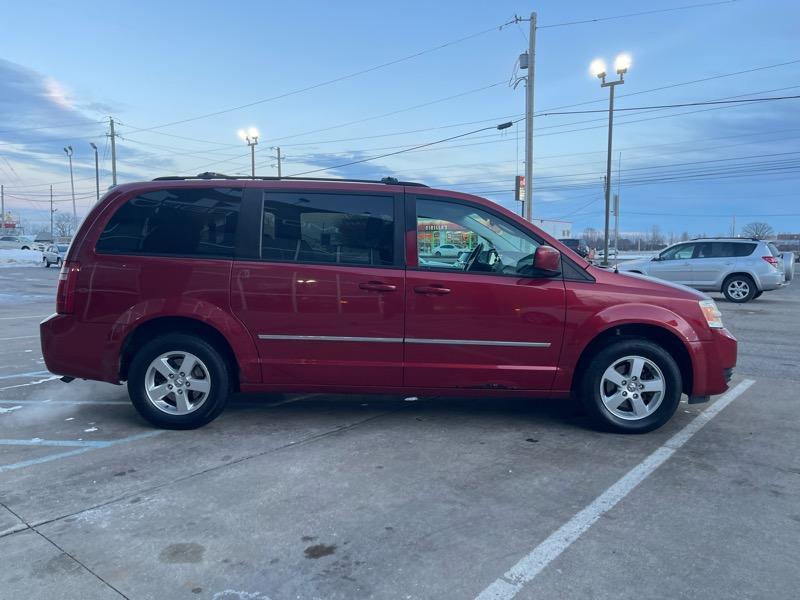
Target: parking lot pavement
363, 497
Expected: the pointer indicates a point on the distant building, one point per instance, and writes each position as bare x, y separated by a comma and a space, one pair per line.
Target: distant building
558, 229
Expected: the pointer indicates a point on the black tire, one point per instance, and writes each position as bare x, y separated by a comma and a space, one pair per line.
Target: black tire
46, 263
58, 262
438, 255
219, 373
589, 386
742, 281
757, 294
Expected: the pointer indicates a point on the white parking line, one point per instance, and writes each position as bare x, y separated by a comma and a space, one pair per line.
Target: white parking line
20, 337
28, 374
533, 563
37, 382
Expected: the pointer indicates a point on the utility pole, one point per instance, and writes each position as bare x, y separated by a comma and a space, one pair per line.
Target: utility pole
733, 226
280, 157
2, 206
529, 118
113, 151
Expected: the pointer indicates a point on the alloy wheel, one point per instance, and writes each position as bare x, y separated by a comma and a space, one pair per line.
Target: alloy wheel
632, 388
177, 383
738, 289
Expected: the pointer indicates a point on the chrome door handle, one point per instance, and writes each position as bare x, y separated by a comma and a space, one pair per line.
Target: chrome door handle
433, 290
377, 286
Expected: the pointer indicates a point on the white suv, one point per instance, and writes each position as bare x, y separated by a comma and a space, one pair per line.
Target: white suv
740, 268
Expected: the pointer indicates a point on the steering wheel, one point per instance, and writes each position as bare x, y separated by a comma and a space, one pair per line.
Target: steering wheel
473, 256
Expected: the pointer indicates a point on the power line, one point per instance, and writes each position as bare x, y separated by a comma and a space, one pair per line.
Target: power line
355, 162
637, 14
334, 80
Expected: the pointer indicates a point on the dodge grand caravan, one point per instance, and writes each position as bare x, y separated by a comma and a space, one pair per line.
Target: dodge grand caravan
190, 289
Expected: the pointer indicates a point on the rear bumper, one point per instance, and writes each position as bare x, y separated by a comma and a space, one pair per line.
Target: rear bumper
771, 281
713, 362
78, 350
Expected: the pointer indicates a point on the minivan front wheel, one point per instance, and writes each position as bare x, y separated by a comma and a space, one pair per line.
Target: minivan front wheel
631, 386
179, 381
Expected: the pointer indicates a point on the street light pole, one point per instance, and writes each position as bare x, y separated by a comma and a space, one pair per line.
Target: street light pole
598, 69
251, 137
96, 170
68, 151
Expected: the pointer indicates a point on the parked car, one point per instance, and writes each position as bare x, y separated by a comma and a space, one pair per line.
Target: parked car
28, 242
191, 288
447, 251
740, 268
54, 254
10, 242
576, 245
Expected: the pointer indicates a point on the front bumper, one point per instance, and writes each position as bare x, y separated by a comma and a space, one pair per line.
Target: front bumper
713, 362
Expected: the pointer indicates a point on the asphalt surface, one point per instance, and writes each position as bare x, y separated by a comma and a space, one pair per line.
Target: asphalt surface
316, 496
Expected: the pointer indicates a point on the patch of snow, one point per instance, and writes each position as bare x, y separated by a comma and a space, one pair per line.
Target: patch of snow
19, 258
91, 429
9, 409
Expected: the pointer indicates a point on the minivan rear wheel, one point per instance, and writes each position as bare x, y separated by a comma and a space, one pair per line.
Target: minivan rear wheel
739, 288
179, 381
631, 386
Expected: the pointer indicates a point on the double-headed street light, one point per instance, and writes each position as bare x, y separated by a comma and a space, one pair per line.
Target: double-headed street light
251, 137
598, 68
68, 152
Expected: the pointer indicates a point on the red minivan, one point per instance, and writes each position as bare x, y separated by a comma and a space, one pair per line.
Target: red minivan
192, 288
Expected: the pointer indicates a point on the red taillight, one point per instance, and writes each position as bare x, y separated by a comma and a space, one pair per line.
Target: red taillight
67, 280
771, 260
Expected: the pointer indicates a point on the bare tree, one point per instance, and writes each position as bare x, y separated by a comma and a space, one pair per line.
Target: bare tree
760, 231
63, 225
684, 236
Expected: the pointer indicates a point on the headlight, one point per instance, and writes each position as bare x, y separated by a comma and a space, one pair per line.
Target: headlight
711, 313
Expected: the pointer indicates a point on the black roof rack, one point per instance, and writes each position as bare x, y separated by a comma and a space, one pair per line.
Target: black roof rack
209, 175
726, 237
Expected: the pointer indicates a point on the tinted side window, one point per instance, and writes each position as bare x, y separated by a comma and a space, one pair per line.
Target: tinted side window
178, 222
732, 249
334, 228
680, 252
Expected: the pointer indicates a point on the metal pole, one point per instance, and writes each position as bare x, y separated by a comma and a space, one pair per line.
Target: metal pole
72, 185
113, 152
608, 170
2, 206
96, 171
278, 148
253, 160
52, 238
529, 119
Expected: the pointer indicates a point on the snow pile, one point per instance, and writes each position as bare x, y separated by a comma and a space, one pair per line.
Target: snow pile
20, 258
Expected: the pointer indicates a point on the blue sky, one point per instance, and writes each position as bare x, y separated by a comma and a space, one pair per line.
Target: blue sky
64, 67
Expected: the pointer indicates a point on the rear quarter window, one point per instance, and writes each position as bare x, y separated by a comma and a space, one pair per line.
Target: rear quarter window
743, 249
175, 222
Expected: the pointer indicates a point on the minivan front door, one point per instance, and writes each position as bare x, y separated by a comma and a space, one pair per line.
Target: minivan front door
324, 297
495, 326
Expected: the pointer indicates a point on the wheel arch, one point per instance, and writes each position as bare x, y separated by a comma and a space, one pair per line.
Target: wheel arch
659, 335
739, 274
155, 327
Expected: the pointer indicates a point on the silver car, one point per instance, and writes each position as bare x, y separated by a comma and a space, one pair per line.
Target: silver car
740, 268
54, 255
